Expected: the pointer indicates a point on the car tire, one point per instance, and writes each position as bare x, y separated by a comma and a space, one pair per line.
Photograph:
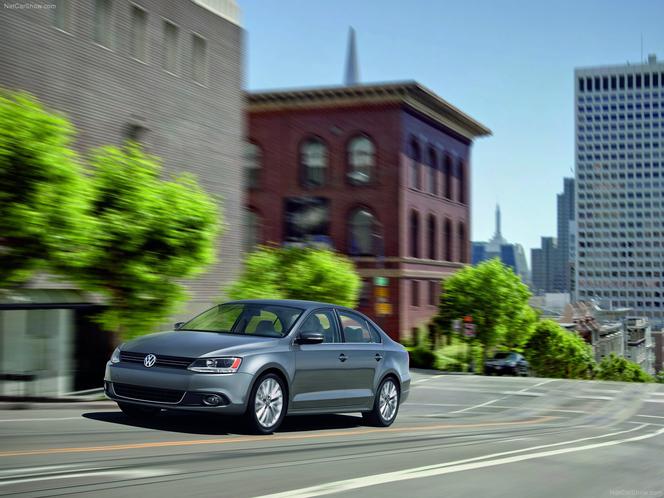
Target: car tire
264, 410
386, 404
138, 411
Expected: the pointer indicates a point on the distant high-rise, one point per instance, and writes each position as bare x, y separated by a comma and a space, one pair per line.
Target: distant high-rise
543, 264
563, 272
352, 75
620, 186
511, 255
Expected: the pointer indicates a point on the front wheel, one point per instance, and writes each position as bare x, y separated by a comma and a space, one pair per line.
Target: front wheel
267, 405
386, 404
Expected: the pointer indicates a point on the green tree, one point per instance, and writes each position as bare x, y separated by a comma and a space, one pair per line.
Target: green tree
43, 191
148, 234
616, 368
553, 351
298, 273
496, 299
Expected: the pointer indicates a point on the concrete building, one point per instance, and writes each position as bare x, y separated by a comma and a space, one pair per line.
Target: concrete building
619, 119
511, 255
565, 209
638, 342
380, 172
543, 261
658, 350
164, 72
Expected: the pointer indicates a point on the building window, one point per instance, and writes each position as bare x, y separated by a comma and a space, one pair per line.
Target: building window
252, 232
170, 62
137, 43
61, 14
414, 234
433, 172
415, 293
462, 243
447, 239
448, 177
102, 29
431, 234
461, 194
361, 160
199, 59
416, 157
253, 159
364, 233
313, 161
433, 292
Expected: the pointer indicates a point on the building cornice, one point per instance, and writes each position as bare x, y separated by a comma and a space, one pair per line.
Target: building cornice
410, 94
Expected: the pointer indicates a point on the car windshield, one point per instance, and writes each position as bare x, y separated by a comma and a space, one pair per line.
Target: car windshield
266, 320
501, 356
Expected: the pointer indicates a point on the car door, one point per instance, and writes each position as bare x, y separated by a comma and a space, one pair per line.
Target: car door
364, 352
320, 377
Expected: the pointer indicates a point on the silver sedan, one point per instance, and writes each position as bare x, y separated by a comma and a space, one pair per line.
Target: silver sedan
264, 359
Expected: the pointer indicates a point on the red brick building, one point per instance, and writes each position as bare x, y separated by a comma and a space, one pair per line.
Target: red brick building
379, 172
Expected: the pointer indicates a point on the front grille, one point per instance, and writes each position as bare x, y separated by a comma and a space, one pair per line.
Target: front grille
143, 393
162, 361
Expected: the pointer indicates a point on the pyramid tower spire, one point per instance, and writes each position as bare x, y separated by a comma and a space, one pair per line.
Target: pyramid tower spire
498, 230
352, 76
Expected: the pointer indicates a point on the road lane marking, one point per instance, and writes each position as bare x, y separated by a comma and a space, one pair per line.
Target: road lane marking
123, 473
653, 400
477, 406
651, 416
524, 393
457, 466
195, 442
602, 398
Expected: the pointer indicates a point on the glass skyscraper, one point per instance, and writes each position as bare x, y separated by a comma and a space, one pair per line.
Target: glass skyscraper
619, 120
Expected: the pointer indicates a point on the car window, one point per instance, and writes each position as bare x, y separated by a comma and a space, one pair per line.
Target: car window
264, 324
500, 356
322, 321
355, 328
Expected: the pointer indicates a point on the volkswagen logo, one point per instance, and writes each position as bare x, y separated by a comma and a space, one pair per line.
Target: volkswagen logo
150, 360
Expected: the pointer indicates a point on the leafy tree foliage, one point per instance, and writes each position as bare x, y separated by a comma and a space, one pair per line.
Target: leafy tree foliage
298, 273
43, 193
147, 234
496, 299
552, 351
616, 368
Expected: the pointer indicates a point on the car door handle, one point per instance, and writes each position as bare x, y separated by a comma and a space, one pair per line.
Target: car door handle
342, 357
378, 356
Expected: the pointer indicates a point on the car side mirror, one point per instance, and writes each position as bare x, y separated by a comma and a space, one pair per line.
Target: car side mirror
178, 325
310, 337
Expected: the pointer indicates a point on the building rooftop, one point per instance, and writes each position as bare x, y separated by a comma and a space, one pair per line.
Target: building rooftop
408, 93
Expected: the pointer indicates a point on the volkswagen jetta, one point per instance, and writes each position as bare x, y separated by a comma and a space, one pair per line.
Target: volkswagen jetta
264, 359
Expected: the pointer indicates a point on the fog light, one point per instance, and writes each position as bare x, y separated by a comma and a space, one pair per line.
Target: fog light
212, 400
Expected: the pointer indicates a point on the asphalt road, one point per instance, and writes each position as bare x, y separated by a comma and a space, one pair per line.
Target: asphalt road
456, 436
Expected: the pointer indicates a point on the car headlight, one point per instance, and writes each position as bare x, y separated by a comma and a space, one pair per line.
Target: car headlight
115, 357
216, 365
511, 364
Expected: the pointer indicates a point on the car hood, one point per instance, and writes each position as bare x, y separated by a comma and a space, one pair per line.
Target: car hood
194, 344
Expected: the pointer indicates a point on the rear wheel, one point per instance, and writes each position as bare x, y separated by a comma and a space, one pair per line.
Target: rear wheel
386, 404
138, 411
267, 404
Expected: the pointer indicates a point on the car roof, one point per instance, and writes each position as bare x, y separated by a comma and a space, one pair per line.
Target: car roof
288, 302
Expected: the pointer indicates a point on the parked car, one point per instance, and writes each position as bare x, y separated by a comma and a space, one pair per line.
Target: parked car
506, 362
264, 359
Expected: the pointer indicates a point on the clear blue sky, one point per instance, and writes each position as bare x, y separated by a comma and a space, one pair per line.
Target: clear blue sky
507, 63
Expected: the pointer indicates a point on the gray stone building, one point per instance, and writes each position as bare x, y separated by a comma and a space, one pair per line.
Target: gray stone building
167, 73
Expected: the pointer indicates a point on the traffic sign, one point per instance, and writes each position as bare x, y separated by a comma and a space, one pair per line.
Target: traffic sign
381, 281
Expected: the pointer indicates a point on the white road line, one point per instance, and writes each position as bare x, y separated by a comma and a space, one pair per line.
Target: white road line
541, 383
603, 398
653, 400
524, 393
458, 466
477, 406
657, 394
408, 403
123, 473
419, 381
651, 416
39, 419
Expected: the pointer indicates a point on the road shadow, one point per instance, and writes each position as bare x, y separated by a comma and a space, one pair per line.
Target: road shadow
219, 425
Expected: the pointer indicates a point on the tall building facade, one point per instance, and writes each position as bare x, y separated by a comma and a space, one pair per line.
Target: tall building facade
619, 119
565, 204
380, 172
543, 261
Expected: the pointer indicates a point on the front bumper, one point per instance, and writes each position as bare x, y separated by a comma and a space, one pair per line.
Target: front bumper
133, 383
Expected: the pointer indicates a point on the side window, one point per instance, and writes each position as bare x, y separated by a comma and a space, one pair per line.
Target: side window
375, 335
355, 328
322, 321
